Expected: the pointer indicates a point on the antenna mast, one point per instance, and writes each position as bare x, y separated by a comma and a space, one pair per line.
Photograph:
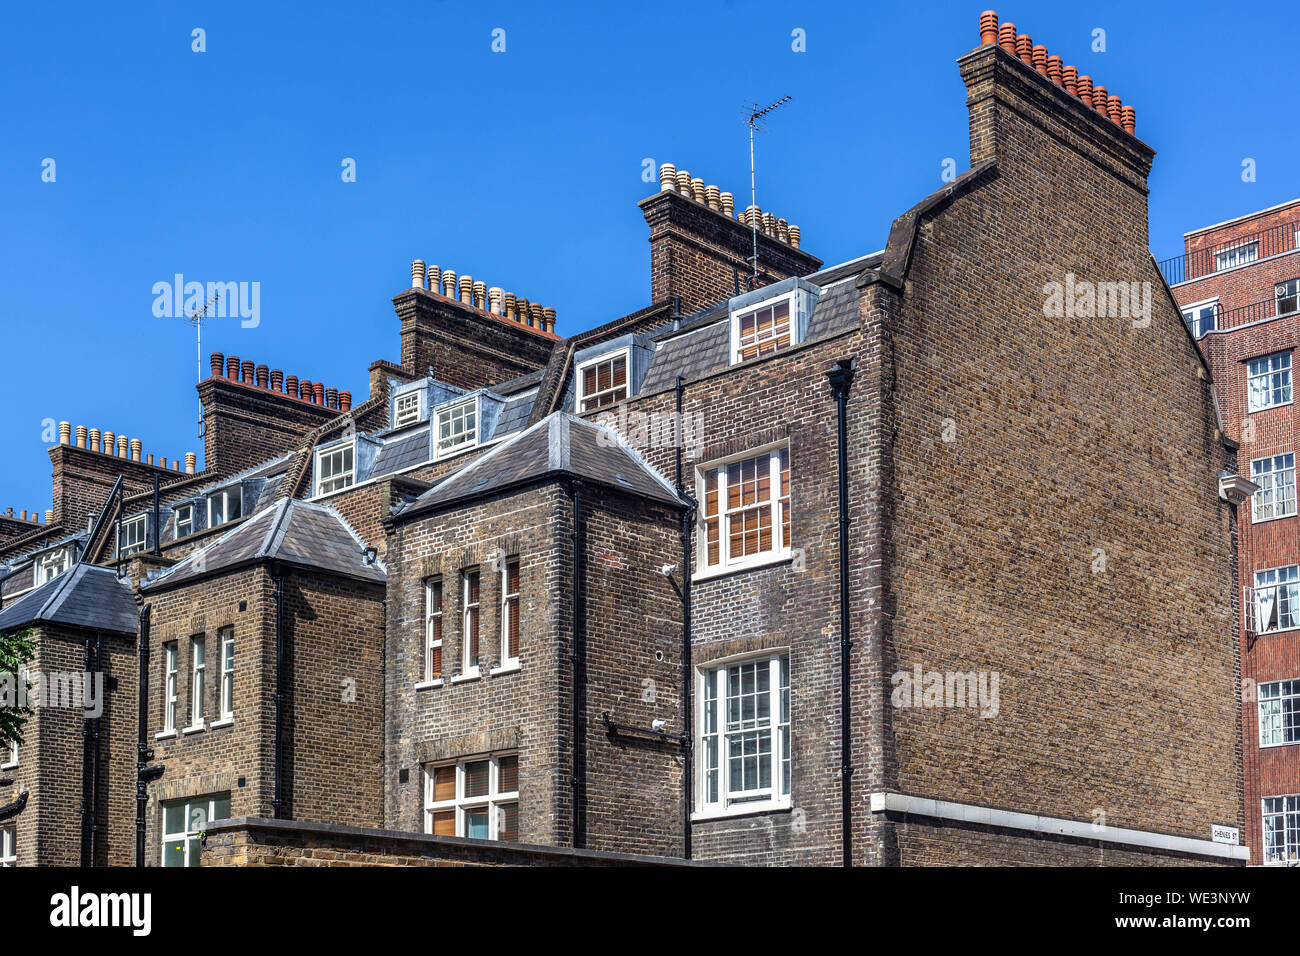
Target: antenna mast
755, 114
196, 319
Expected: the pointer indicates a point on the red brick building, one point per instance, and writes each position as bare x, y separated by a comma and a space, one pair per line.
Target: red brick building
1239, 286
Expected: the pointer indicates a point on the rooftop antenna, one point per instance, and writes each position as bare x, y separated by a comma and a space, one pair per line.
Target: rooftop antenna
196, 319
755, 115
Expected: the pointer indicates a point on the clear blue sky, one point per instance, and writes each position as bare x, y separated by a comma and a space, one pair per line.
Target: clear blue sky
522, 168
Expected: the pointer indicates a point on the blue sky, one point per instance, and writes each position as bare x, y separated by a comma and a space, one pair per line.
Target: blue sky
522, 168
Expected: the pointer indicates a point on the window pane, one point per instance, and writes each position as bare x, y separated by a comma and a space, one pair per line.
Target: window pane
508, 774
476, 824
221, 807
444, 823
174, 853
476, 779
444, 783
509, 824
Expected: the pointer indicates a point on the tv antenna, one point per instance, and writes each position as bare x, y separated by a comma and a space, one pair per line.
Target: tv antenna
195, 319
754, 120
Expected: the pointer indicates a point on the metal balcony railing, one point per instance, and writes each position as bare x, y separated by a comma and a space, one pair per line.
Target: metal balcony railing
1231, 253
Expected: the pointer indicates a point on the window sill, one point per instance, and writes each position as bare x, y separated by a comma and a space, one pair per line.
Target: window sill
223, 722
9, 766
1285, 743
741, 810
722, 572
1276, 630
1265, 408
426, 684
467, 677
197, 728
165, 735
512, 668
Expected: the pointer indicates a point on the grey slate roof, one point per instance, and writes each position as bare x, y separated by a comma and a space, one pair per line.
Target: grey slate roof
301, 533
514, 414
88, 596
559, 444
403, 451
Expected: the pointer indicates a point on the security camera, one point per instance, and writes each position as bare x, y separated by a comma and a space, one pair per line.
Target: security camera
667, 570
658, 724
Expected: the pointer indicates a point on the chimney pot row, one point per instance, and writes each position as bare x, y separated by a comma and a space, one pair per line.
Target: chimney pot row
1022, 45
672, 179
264, 377
477, 294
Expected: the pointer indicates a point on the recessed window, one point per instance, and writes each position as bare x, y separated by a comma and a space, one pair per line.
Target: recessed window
198, 670
334, 469
13, 756
131, 538
406, 409
761, 331
510, 612
1288, 296
1201, 318
169, 687
184, 520
227, 673
1268, 381
1279, 713
184, 821
470, 631
433, 629
1236, 256
224, 506
603, 381
743, 738
746, 513
473, 798
457, 428
8, 846
1277, 599
52, 565
1282, 829
1276, 479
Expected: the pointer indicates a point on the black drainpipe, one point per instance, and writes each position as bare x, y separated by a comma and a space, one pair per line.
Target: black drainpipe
841, 379
94, 751
157, 531
688, 731
278, 574
144, 753
579, 823
89, 761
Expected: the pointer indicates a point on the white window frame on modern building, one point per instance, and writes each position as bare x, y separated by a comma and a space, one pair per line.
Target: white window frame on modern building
1284, 585
8, 845
1274, 372
778, 504
435, 596
1237, 255
196, 814
510, 606
133, 535
406, 408
198, 675
1284, 811
221, 514
471, 614
1276, 497
1279, 713
171, 671
716, 732
1198, 314
1287, 292
184, 525
227, 636
466, 438
495, 801
52, 564
341, 458
791, 324
603, 397
13, 756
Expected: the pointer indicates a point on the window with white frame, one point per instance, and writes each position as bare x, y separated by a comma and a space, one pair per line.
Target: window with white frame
1200, 318
510, 612
227, 673
1277, 599
457, 428
746, 513
226, 505
433, 629
184, 821
476, 798
1288, 296
131, 538
1279, 713
761, 331
184, 520
334, 468
1282, 829
8, 846
1236, 256
406, 409
603, 381
52, 564
13, 756
169, 690
470, 630
198, 669
1276, 479
1268, 381
743, 737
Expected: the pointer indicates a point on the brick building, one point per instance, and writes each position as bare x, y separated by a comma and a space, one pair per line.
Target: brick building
794, 565
1238, 283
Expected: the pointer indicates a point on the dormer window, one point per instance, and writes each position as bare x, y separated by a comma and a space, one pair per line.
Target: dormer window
132, 536
52, 565
761, 331
335, 468
184, 520
457, 428
406, 409
226, 505
603, 381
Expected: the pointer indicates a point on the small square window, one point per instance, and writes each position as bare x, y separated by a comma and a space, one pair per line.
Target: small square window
603, 381
132, 536
184, 520
406, 409
457, 428
1268, 381
334, 469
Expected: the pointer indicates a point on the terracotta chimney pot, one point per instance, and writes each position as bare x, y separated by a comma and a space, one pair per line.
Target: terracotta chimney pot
332, 397
1070, 80
247, 369
319, 388
1007, 37
449, 283
65, 433
218, 362
345, 401
232, 367
135, 449
1054, 69
1128, 119
1099, 99
1040, 59
190, 461
1114, 108
988, 27
291, 386
1085, 90
1025, 48
277, 379
263, 376
728, 204
435, 279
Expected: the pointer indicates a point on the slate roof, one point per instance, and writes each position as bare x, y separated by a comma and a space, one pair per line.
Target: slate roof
301, 533
88, 596
560, 444
403, 451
